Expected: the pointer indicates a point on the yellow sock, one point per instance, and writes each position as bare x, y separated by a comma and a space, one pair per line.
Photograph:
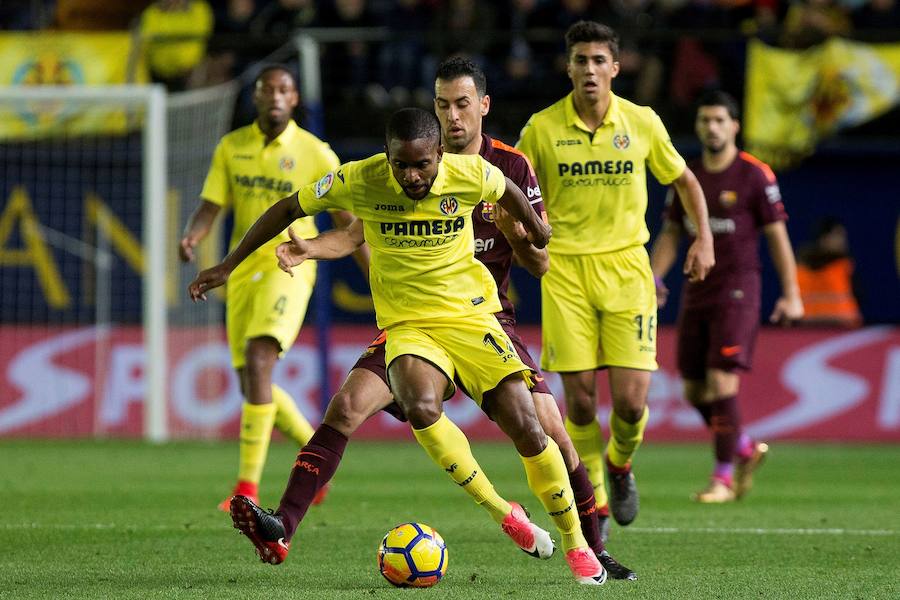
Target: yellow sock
549, 481
256, 432
624, 438
588, 442
288, 418
447, 446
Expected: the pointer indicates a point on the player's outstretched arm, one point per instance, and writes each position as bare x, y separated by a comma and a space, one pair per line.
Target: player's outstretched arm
197, 228
700, 256
328, 245
516, 204
789, 307
271, 223
362, 255
663, 256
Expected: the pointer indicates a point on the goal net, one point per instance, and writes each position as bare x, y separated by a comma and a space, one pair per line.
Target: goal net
95, 185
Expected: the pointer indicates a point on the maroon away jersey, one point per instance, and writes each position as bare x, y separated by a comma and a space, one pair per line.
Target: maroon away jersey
741, 200
491, 247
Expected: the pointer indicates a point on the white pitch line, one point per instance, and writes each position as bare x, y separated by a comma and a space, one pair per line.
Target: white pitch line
763, 531
652, 530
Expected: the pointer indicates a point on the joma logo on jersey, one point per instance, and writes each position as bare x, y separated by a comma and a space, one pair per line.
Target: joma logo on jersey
423, 228
449, 205
286, 163
390, 207
596, 167
568, 143
269, 183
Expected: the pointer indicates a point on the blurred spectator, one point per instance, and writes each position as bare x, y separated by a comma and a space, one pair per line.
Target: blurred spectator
175, 34
461, 27
282, 17
458, 27
97, 15
550, 52
825, 276
811, 22
234, 16
230, 17
348, 62
516, 72
640, 68
21, 15
877, 14
399, 62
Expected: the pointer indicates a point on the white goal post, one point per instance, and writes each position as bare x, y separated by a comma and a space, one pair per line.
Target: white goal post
148, 102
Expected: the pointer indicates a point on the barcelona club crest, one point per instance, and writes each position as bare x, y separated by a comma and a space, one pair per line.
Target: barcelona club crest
487, 211
621, 141
449, 205
727, 198
287, 163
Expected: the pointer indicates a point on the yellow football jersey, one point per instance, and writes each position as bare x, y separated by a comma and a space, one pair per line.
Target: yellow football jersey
594, 184
422, 264
248, 176
188, 29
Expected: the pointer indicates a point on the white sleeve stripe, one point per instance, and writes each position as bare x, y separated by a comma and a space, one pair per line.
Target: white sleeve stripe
532, 202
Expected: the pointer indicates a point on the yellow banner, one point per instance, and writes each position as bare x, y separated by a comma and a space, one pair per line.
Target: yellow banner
66, 58
796, 98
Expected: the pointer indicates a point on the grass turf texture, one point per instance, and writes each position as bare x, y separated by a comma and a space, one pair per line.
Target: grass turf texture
128, 520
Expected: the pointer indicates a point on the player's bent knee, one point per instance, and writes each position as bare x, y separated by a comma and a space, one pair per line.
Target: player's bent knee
522, 427
722, 383
345, 414
581, 411
261, 356
422, 412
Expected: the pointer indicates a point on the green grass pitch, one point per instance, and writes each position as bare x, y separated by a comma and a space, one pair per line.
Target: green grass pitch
128, 520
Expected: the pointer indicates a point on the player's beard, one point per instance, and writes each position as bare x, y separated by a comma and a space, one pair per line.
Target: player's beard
711, 149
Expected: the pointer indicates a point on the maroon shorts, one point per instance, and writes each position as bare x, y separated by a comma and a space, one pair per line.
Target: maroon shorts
540, 385
716, 337
373, 359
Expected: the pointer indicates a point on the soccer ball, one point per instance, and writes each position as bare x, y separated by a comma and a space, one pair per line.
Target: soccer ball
412, 555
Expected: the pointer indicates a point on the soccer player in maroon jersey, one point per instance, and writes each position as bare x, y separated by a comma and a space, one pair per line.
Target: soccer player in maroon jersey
719, 316
461, 103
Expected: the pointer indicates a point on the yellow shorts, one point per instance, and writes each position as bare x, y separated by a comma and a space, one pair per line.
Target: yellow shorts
267, 303
599, 310
474, 349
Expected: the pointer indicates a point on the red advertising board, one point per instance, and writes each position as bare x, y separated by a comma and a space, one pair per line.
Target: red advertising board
76, 382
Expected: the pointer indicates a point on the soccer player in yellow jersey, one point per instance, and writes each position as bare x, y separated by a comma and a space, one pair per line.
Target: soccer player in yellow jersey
252, 168
436, 302
591, 151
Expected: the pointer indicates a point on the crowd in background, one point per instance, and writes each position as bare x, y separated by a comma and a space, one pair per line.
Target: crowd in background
671, 49
670, 52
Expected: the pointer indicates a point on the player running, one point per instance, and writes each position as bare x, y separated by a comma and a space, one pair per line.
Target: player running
436, 303
719, 316
461, 103
253, 167
591, 151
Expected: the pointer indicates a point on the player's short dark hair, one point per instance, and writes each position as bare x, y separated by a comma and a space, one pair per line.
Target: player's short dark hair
592, 31
720, 98
281, 67
458, 66
409, 124
825, 226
